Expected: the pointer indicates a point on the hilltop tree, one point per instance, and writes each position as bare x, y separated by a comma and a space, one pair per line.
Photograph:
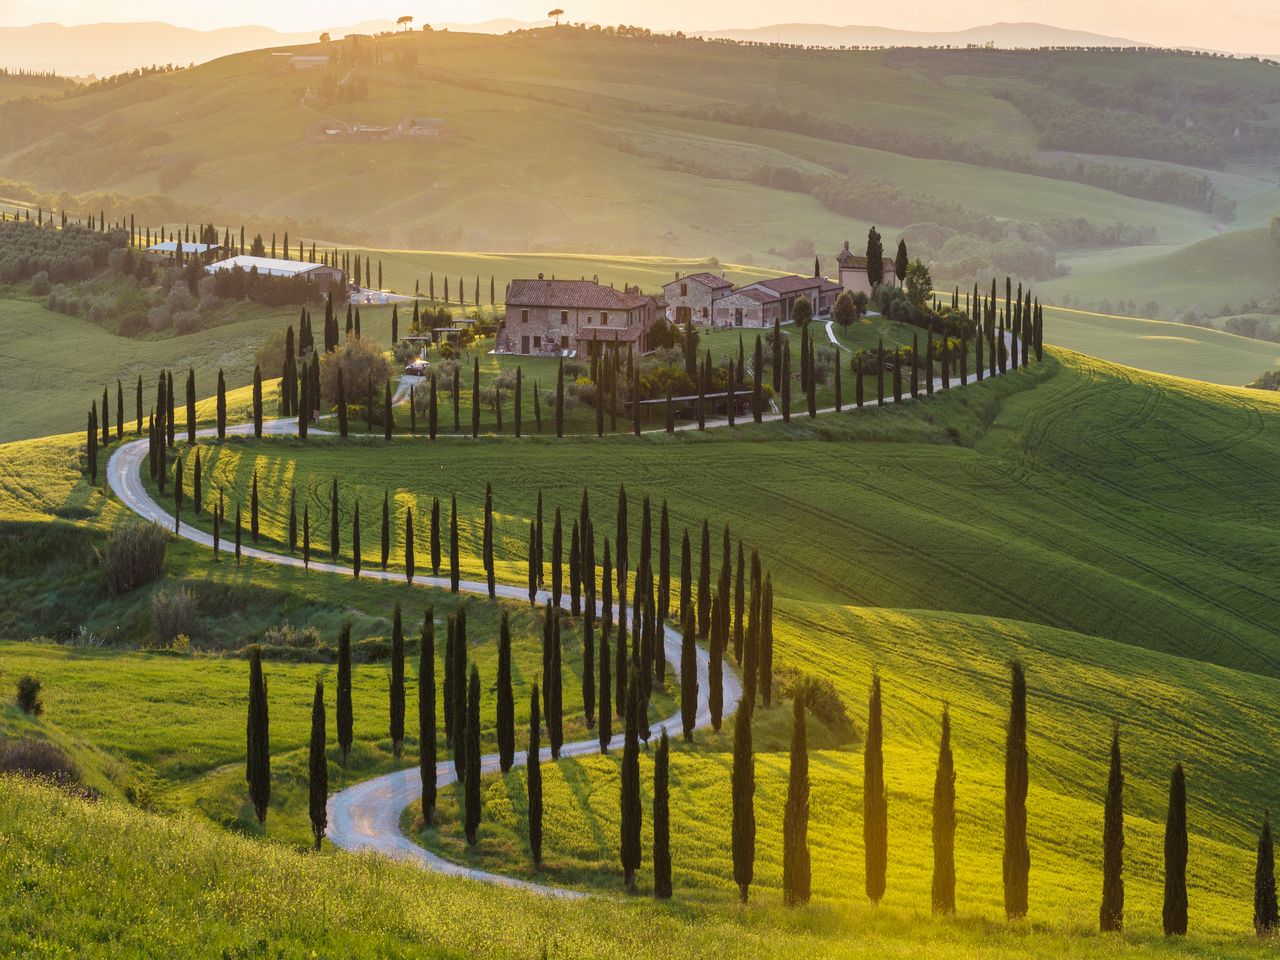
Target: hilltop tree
662, 820
875, 258
472, 786
1265, 917
533, 767
944, 825
1111, 913
345, 724
1174, 913
258, 765
427, 714
318, 768
744, 791
630, 787
1017, 858
506, 718
901, 261
397, 683
918, 284
875, 799
795, 825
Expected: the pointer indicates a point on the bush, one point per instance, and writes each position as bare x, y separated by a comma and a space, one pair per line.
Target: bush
135, 556
286, 635
38, 759
29, 695
173, 614
40, 283
361, 363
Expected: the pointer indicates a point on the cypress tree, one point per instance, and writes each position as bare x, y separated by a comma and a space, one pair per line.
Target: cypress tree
253, 508
605, 685
1111, 913
168, 400
488, 540
427, 714
944, 825
786, 382
435, 536
318, 768
258, 765
454, 571
1174, 913
664, 563
715, 663
518, 403
472, 786
795, 824
197, 494
388, 418
554, 692
345, 720
589, 666
408, 545
1017, 858
560, 399
506, 715
662, 820
475, 398
1265, 915
688, 681
257, 401
191, 407
757, 382
533, 767
704, 583
875, 802
537, 408
557, 570
355, 541
397, 683
630, 787
533, 564
386, 528
744, 790
575, 571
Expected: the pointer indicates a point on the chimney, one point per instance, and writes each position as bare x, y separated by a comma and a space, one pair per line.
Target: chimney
539, 276
595, 278
846, 246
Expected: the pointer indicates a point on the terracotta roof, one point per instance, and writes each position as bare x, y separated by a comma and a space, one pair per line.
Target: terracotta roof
706, 279
573, 294
852, 261
753, 293
792, 284
609, 334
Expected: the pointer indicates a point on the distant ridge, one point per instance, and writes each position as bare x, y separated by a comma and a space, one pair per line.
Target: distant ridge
996, 34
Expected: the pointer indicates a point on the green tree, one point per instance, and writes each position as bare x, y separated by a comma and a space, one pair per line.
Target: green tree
345, 724
844, 312
744, 791
1174, 913
919, 284
1017, 858
1111, 913
795, 825
944, 825
560, 399
472, 785
689, 681
318, 769
875, 258
630, 787
506, 717
257, 402
427, 713
533, 767
258, 765
408, 545
1265, 916
397, 683
802, 312
455, 572
901, 262
662, 820
875, 799
191, 407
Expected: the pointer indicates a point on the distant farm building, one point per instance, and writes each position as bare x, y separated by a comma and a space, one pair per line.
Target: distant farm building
325, 277
555, 317
690, 298
781, 294
853, 271
423, 127
168, 249
309, 62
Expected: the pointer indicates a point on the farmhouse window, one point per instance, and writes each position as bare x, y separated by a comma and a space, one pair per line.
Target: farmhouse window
524, 316
564, 317
537, 343
684, 289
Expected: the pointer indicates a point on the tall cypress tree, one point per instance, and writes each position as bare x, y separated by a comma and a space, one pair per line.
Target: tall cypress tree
715, 663
686, 577
397, 682
1265, 916
344, 714
191, 407
1174, 913
557, 569
1111, 913
408, 545
744, 790
506, 716
704, 583
688, 681
335, 537
1017, 858
253, 508
554, 692
435, 536
488, 541
605, 729
662, 819
355, 541
318, 769
386, 528
454, 561
533, 769
875, 799
629, 799
795, 824
472, 785
258, 765
427, 714
475, 398
944, 825
257, 401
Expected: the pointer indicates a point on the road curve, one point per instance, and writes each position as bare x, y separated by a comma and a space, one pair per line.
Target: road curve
366, 816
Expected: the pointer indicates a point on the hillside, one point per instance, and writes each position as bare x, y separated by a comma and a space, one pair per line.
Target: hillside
644, 145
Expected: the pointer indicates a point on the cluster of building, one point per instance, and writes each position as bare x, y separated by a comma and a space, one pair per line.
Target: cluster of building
561, 316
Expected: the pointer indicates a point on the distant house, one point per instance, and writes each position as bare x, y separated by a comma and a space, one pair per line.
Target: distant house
324, 277
781, 293
553, 317
424, 126
690, 298
853, 271
309, 62
168, 249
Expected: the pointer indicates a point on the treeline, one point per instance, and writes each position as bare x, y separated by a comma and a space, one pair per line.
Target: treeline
1164, 186
63, 256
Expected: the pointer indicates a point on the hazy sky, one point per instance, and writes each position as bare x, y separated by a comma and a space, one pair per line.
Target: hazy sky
1240, 25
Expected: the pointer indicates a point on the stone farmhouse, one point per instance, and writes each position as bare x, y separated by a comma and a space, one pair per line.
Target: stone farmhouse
707, 299
690, 298
554, 317
853, 271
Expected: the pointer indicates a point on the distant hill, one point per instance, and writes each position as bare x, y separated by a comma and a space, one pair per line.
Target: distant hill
1008, 35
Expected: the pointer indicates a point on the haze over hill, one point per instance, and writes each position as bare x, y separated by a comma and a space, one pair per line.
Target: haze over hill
101, 49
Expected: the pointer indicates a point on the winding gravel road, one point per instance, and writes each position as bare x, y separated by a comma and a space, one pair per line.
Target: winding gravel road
366, 816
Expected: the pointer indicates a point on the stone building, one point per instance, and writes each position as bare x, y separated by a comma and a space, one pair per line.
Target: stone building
853, 271
552, 317
783, 292
691, 298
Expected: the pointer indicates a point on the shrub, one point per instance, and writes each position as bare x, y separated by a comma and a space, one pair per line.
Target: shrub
29, 695
173, 614
38, 759
362, 363
821, 697
40, 283
286, 635
135, 556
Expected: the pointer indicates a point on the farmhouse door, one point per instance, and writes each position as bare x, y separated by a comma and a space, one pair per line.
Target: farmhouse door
524, 344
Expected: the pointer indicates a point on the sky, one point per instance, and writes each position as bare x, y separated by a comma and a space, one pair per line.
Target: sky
1236, 25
